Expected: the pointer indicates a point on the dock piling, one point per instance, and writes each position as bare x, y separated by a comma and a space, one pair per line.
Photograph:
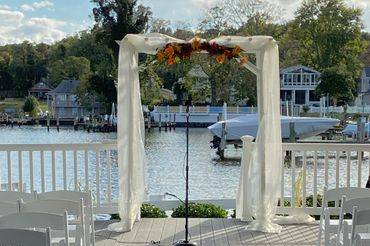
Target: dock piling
160, 122
58, 123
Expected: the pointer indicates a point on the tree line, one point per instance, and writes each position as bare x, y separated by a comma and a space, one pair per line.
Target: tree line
324, 34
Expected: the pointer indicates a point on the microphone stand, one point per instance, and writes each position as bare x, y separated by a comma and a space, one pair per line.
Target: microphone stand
186, 242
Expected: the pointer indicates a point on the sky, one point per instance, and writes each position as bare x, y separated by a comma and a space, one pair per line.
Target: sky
51, 20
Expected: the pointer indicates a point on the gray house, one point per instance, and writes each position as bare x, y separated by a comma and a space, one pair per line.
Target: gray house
63, 101
298, 84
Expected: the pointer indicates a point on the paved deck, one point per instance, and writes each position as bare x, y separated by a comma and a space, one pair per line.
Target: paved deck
205, 232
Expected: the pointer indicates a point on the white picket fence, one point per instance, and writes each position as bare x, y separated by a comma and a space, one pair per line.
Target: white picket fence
47, 167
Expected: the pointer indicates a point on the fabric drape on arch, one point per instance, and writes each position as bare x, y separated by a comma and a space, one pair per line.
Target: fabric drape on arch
267, 153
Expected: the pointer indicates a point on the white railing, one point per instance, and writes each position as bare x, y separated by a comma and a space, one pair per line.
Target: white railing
312, 166
206, 109
47, 167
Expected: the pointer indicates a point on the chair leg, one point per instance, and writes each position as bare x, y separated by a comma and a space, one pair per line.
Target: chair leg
319, 237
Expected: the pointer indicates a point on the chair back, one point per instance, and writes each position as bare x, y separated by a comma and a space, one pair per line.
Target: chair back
360, 203
34, 220
8, 208
66, 195
21, 237
338, 193
360, 218
75, 196
52, 207
14, 196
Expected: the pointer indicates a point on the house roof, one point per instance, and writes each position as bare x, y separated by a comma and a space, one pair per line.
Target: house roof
367, 71
297, 68
41, 86
66, 87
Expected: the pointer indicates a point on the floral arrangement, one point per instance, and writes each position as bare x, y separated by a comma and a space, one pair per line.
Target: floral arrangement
175, 52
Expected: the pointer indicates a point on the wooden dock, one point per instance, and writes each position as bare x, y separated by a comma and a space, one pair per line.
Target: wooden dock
205, 232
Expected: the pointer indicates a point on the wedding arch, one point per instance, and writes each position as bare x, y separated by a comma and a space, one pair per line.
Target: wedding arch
259, 184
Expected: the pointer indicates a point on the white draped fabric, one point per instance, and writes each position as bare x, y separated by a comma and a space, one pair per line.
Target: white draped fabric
265, 162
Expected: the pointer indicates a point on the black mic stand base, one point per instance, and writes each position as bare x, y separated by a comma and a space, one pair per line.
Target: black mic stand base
184, 243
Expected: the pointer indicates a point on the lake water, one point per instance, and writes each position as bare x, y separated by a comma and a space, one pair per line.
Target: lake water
209, 177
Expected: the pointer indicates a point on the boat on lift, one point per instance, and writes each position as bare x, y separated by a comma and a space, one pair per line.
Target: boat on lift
230, 131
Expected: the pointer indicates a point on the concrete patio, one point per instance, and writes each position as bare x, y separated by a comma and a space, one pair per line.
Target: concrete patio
205, 232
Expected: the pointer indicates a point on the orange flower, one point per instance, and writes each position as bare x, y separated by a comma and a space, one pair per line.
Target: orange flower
169, 51
195, 45
236, 50
170, 61
244, 60
160, 56
221, 58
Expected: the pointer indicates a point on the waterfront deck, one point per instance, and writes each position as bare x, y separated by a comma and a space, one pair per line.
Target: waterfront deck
205, 232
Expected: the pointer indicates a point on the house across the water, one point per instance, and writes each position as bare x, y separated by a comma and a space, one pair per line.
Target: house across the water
63, 101
298, 84
39, 90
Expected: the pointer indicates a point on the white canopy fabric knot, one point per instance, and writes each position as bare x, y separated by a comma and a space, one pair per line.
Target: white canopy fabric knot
257, 195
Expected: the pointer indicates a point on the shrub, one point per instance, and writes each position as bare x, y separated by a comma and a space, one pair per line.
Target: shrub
305, 109
200, 210
31, 105
151, 211
147, 211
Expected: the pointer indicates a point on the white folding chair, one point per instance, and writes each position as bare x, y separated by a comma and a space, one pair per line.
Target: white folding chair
21, 237
347, 208
59, 207
76, 196
360, 219
37, 221
8, 208
327, 225
14, 196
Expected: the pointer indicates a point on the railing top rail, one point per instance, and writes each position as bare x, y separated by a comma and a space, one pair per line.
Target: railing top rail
74, 146
325, 146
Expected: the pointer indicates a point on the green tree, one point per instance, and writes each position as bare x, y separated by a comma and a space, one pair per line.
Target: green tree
31, 106
71, 67
116, 18
328, 33
338, 83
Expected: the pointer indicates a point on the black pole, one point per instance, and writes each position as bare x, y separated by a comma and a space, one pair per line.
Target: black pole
186, 241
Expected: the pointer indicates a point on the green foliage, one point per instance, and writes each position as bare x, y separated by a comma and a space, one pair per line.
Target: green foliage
71, 67
151, 211
150, 84
200, 210
305, 108
326, 35
31, 106
338, 83
146, 211
114, 19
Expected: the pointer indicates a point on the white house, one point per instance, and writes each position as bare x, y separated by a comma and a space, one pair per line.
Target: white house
298, 84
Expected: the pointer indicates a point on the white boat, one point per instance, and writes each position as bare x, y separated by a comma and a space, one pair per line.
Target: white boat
304, 127
351, 130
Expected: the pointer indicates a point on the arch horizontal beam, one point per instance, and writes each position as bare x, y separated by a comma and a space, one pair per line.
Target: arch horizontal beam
253, 68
